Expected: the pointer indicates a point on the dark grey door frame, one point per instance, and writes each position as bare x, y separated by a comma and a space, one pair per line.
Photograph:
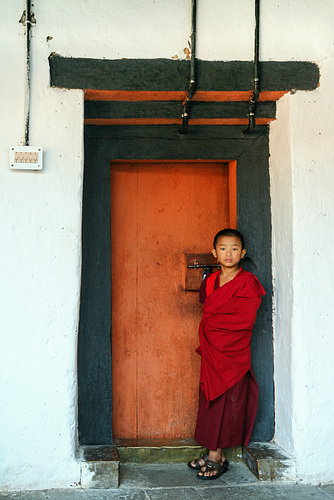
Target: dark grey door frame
103, 144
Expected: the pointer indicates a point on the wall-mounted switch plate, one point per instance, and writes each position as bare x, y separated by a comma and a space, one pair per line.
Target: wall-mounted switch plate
26, 158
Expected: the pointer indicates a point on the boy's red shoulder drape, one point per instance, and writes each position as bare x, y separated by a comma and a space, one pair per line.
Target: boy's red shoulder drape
225, 332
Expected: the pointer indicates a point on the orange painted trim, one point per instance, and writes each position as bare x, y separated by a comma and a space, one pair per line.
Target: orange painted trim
271, 95
194, 160
232, 193
174, 121
147, 95
133, 95
267, 95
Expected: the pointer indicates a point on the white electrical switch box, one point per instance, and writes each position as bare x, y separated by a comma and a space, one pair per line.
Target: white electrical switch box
26, 158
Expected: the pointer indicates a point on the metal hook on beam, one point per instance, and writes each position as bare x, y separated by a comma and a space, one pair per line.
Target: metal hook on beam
256, 81
192, 78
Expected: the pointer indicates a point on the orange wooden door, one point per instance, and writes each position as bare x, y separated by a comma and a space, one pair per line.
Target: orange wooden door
160, 212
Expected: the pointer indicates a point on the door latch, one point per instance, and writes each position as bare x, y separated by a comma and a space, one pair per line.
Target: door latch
198, 268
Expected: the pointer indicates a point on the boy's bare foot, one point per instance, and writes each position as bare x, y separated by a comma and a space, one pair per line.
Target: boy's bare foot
197, 463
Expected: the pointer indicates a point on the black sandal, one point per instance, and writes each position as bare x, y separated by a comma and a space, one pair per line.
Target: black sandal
197, 465
211, 466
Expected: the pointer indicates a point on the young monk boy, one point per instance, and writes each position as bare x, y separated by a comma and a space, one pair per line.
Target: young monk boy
228, 392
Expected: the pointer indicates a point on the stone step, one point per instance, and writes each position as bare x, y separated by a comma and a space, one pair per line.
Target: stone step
100, 464
99, 467
269, 462
165, 451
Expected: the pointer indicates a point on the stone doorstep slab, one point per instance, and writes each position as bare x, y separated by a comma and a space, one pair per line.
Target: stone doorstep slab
269, 462
99, 467
166, 451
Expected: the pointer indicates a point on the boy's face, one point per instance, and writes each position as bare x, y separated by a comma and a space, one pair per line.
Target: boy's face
229, 251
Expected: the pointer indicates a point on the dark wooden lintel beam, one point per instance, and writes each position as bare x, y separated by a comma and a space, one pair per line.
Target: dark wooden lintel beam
166, 75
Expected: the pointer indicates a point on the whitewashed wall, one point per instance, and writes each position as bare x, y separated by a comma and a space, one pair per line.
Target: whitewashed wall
40, 217
302, 182
40, 233
282, 242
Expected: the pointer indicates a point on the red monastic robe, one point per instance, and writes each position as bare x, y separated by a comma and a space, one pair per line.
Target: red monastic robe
225, 332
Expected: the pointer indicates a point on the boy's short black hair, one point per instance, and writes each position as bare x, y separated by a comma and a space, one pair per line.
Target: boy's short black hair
229, 232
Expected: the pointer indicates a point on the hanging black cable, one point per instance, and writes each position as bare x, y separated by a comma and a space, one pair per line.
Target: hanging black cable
27, 124
192, 78
256, 89
27, 19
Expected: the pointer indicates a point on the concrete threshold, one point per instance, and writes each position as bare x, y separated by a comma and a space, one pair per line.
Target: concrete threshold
163, 451
100, 465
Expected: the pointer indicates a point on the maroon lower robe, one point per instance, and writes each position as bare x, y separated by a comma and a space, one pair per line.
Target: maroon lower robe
228, 393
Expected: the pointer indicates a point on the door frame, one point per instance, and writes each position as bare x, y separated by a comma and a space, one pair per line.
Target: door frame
249, 157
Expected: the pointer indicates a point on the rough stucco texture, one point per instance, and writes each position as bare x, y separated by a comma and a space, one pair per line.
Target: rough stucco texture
282, 234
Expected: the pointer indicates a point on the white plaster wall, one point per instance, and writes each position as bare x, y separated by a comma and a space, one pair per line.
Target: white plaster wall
300, 360
40, 221
312, 125
40, 217
302, 179
283, 256
296, 30
149, 28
